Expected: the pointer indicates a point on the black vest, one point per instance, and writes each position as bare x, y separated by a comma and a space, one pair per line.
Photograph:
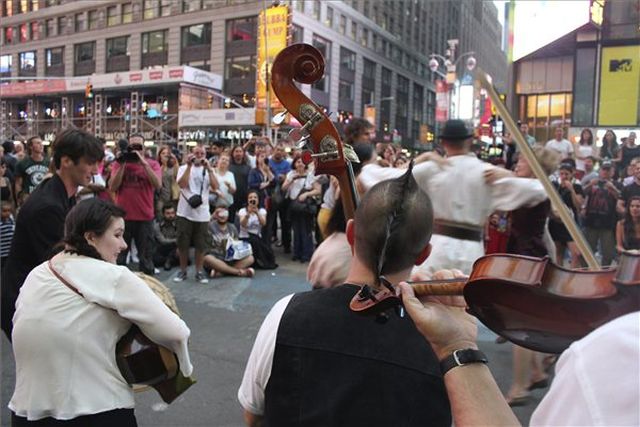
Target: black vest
334, 367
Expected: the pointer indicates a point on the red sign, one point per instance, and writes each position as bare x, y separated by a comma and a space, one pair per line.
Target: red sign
31, 88
135, 77
155, 75
176, 74
442, 101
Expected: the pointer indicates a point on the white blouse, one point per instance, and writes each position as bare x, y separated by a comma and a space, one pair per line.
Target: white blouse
64, 344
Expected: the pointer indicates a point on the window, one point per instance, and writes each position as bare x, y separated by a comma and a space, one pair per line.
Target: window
242, 29
118, 46
127, 13
347, 59
296, 34
93, 19
24, 6
62, 22
354, 30
329, 19
5, 64
156, 8
316, 9
112, 16
191, 5
50, 27
240, 67
324, 46
7, 7
364, 39
50, 3
8, 35
342, 28
85, 52
345, 90
35, 31
27, 60
369, 69
403, 84
80, 23
24, 33
209, 4
54, 56
155, 41
386, 76
300, 6
196, 35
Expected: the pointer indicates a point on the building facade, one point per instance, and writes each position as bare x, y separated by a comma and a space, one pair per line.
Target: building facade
377, 55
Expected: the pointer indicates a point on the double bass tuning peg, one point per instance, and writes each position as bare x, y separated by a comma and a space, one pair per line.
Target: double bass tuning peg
278, 119
299, 136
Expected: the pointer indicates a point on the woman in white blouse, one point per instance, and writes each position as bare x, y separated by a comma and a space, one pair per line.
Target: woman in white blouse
64, 340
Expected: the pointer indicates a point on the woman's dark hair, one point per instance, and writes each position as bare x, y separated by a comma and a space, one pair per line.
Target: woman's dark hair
589, 139
244, 155
629, 226
91, 215
337, 223
77, 144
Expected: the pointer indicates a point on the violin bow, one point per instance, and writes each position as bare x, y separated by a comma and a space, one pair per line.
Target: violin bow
556, 201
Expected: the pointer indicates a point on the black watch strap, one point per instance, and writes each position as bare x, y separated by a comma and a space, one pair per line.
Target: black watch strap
462, 357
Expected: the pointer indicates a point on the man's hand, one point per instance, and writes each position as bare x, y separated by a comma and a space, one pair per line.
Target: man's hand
442, 320
141, 158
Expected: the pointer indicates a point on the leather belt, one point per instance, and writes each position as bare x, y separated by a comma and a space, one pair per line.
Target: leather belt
457, 231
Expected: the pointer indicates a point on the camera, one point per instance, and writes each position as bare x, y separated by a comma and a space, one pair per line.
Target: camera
253, 202
127, 152
202, 161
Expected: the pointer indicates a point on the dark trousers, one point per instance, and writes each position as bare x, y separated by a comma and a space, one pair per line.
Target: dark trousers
116, 417
166, 253
268, 230
142, 233
302, 238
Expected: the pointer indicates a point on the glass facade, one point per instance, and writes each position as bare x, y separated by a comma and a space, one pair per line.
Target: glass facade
545, 112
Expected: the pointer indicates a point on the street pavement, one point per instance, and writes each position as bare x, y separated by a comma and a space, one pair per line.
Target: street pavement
224, 316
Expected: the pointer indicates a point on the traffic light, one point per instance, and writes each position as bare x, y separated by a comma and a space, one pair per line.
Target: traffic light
88, 91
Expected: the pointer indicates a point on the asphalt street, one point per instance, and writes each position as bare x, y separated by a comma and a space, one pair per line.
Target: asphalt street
224, 316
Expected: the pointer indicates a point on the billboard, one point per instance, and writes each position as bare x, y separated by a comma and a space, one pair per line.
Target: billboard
619, 86
273, 26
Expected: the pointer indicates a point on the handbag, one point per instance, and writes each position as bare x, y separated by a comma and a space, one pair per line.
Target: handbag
237, 250
141, 361
310, 205
196, 200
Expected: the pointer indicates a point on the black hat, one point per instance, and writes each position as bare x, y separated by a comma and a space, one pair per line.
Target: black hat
455, 130
606, 164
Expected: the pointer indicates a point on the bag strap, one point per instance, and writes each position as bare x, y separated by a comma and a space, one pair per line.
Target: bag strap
63, 280
204, 171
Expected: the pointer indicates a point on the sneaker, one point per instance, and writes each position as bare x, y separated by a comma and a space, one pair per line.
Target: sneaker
181, 277
201, 277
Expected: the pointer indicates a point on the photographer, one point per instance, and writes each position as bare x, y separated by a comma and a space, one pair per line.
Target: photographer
195, 179
134, 180
600, 212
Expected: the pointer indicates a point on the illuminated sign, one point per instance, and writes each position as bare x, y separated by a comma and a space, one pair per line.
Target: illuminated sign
619, 86
596, 12
273, 25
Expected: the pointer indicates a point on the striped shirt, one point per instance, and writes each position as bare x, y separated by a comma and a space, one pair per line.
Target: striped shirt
6, 234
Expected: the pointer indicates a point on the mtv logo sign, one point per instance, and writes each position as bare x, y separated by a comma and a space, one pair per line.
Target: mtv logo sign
620, 65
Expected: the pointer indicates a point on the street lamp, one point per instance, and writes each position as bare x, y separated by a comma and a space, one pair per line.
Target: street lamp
450, 61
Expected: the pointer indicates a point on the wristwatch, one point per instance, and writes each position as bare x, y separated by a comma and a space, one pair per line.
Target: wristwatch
462, 357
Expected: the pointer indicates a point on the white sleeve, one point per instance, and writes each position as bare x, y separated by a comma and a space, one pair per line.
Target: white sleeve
508, 194
372, 174
258, 370
136, 302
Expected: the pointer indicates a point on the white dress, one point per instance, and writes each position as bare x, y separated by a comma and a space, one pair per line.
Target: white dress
64, 344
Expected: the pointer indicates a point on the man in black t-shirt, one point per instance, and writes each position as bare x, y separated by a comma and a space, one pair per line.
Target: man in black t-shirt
600, 213
572, 196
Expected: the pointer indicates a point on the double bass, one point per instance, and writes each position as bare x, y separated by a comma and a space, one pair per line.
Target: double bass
530, 301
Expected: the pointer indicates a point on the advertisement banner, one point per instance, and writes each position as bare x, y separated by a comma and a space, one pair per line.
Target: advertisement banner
270, 43
619, 86
442, 101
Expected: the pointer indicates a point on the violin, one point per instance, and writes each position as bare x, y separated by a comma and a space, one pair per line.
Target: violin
531, 301
303, 63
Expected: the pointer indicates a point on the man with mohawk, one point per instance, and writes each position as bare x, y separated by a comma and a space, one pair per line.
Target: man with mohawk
317, 363
462, 199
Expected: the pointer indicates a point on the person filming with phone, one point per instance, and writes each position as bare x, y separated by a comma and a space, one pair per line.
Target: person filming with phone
195, 179
134, 180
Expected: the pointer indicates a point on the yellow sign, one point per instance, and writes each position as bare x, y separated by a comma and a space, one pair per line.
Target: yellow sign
596, 12
619, 86
276, 21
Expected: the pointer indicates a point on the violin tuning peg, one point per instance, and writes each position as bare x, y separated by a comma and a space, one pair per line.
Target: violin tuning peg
302, 141
278, 119
350, 154
296, 134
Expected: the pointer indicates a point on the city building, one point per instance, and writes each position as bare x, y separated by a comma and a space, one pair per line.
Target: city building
180, 70
588, 78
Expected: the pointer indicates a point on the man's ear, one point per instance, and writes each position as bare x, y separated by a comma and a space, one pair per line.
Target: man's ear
423, 255
350, 231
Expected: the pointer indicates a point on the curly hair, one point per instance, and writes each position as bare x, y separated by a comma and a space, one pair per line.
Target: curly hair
92, 215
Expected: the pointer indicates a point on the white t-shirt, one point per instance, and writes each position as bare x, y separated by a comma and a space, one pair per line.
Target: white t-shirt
64, 344
582, 151
563, 147
226, 199
299, 185
253, 223
96, 179
258, 370
597, 381
196, 179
